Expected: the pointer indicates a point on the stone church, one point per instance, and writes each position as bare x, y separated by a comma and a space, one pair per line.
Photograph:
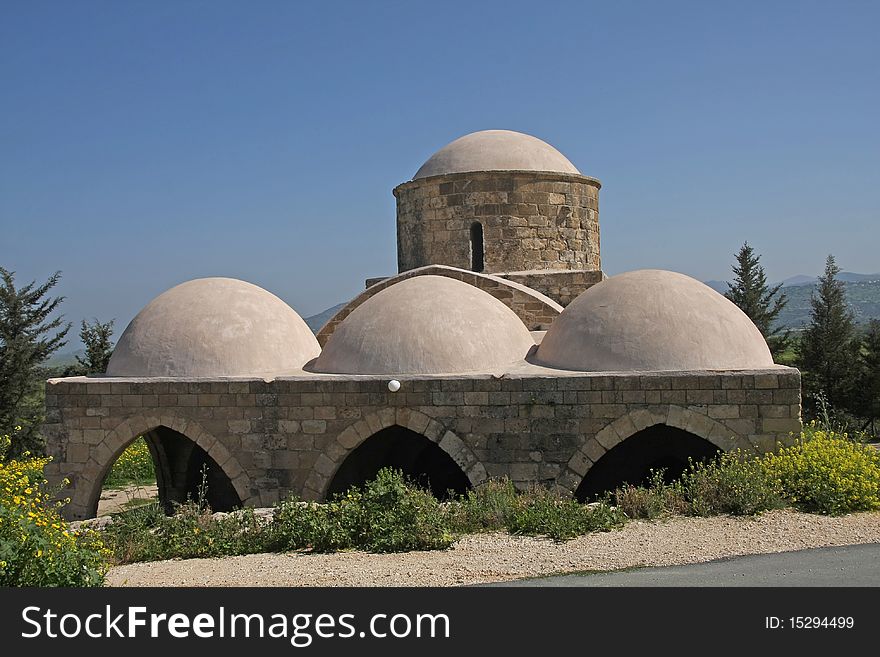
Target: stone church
500, 349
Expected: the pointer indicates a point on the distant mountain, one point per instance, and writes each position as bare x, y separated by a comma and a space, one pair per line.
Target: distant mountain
800, 279
863, 297
64, 358
315, 322
845, 276
719, 286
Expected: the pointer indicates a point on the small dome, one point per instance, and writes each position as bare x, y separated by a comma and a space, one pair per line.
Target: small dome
212, 327
426, 325
496, 150
652, 320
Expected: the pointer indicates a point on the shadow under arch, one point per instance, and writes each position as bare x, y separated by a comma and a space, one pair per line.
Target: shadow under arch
327, 465
691, 421
659, 447
419, 458
180, 450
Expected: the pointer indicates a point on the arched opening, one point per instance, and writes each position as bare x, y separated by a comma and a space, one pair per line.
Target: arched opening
659, 447
181, 471
477, 249
420, 459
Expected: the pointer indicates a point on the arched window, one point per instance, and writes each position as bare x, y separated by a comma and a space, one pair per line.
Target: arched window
477, 246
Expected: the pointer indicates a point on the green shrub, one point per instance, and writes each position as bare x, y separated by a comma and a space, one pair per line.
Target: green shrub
496, 505
37, 547
656, 500
541, 512
487, 507
826, 472
389, 514
734, 483
145, 533
320, 527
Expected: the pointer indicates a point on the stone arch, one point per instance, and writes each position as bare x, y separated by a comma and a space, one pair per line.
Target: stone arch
88, 484
595, 447
328, 463
533, 308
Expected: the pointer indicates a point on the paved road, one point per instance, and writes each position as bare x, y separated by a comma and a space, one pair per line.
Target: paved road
851, 565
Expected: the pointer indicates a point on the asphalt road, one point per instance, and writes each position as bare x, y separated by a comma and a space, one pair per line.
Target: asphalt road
851, 565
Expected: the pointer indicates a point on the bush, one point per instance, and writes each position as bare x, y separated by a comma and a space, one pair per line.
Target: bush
734, 483
497, 505
827, 472
320, 527
146, 534
541, 512
656, 500
36, 546
487, 507
134, 465
389, 514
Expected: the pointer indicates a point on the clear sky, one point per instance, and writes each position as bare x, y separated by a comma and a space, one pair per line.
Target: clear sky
147, 143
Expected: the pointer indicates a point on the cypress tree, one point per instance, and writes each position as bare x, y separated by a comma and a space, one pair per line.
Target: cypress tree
96, 336
869, 381
28, 336
758, 300
829, 350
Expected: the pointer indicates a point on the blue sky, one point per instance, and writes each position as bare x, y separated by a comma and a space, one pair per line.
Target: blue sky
147, 143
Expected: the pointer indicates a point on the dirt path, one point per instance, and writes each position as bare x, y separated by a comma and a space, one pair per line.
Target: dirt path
497, 557
113, 500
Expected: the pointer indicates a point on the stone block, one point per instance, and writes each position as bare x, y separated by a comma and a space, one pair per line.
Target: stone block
700, 397
699, 424
476, 398
742, 426
766, 381
313, 426
593, 450
780, 425
673, 396
78, 453
289, 426
580, 463
724, 411
774, 411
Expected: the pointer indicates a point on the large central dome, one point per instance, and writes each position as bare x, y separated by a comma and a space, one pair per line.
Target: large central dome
426, 325
496, 150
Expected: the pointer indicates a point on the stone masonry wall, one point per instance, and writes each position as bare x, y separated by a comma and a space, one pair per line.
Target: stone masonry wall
531, 220
288, 436
535, 310
561, 286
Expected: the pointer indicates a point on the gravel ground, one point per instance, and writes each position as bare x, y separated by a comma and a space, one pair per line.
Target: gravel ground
498, 557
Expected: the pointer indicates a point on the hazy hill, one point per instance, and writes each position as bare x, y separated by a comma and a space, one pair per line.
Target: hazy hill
315, 322
862, 292
845, 276
863, 297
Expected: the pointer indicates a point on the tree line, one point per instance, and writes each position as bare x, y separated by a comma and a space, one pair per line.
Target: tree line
839, 363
